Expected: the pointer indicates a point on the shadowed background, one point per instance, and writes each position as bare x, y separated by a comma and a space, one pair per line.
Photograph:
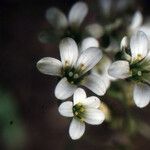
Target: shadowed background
32, 120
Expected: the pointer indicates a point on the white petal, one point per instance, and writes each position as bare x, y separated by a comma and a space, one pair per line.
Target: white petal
95, 30
50, 66
91, 101
65, 109
107, 80
79, 96
95, 83
64, 89
76, 129
136, 21
88, 59
139, 45
56, 18
124, 43
77, 13
146, 29
94, 116
122, 5
141, 95
89, 42
105, 6
68, 52
119, 69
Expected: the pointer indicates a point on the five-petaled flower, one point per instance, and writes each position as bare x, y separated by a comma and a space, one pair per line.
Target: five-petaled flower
73, 69
83, 110
137, 68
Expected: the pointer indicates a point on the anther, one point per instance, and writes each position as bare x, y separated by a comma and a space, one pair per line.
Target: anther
66, 63
82, 66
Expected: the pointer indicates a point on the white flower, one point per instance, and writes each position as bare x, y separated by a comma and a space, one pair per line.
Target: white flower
83, 110
72, 69
138, 69
110, 7
64, 26
75, 17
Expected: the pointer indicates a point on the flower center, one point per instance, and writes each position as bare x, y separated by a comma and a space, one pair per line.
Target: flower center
78, 111
72, 75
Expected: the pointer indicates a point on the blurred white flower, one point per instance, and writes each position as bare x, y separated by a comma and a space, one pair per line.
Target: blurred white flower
101, 69
83, 110
137, 69
63, 25
110, 25
75, 17
137, 24
72, 69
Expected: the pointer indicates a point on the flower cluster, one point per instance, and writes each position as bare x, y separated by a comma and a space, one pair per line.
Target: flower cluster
86, 56
135, 67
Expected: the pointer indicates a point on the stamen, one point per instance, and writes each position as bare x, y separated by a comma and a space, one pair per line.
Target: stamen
66, 63
82, 109
78, 111
82, 66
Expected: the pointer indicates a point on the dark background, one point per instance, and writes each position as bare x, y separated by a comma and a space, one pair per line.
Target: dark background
33, 92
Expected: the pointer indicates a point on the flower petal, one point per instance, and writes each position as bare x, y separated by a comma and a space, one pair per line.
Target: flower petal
124, 43
92, 101
56, 18
89, 42
48, 36
139, 45
64, 89
105, 6
107, 80
88, 59
79, 96
94, 116
103, 65
77, 13
146, 29
141, 95
68, 52
95, 83
95, 30
136, 21
50, 66
76, 129
65, 109
119, 69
